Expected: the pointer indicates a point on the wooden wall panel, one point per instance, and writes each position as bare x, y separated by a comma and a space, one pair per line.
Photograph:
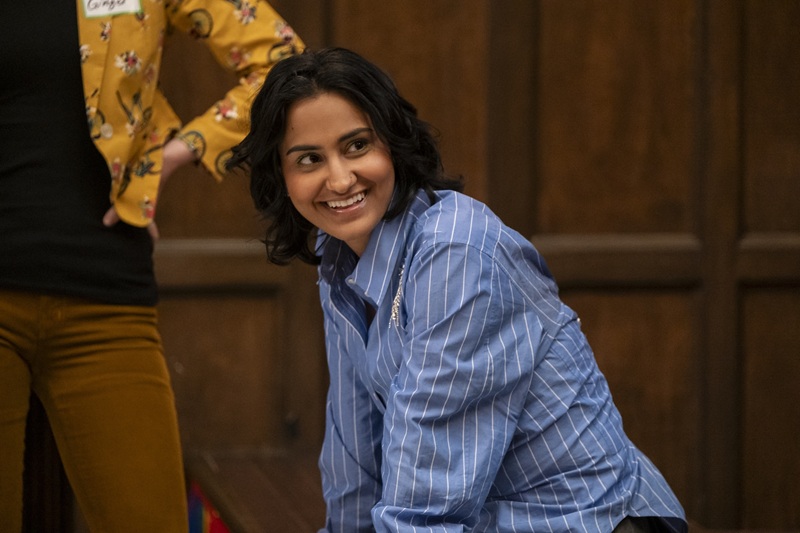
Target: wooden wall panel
309, 18
616, 99
643, 340
770, 263
771, 116
512, 138
436, 53
771, 373
226, 368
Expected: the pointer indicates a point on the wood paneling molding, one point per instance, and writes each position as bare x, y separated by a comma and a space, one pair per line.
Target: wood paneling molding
215, 263
622, 259
769, 258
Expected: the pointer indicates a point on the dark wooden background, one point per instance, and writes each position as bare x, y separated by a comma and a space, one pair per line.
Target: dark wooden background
651, 151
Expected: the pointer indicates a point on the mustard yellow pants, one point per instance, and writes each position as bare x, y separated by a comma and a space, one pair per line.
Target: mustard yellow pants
100, 374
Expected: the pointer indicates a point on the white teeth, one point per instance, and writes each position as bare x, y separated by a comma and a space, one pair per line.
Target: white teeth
345, 203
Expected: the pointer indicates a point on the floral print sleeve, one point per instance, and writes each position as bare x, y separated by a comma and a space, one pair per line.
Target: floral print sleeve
129, 118
247, 37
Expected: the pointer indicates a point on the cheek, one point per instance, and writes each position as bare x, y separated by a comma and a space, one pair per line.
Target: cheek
294, 187
301, 196
389, 177
303, 209
381, 170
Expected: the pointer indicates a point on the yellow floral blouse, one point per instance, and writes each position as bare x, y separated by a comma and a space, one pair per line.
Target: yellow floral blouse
129, 118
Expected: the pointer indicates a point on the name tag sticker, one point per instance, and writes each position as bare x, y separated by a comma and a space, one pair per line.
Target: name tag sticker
105, 8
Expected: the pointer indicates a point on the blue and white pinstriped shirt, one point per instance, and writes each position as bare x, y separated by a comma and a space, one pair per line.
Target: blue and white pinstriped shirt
472, 401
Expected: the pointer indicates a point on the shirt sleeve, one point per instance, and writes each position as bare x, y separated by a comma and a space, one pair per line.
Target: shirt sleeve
246, 37
350, 457
459, 391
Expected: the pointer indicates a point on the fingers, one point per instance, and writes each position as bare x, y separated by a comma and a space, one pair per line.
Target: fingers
111, 218
152, 229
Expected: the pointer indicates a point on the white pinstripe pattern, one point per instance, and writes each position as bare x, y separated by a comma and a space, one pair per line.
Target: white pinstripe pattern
481, 408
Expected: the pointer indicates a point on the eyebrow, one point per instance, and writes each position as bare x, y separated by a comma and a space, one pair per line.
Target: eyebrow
346, 136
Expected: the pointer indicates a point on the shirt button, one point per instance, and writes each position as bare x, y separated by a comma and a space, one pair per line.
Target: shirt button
351, 281
106, 131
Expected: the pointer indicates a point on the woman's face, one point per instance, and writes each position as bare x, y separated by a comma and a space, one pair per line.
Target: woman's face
338, 173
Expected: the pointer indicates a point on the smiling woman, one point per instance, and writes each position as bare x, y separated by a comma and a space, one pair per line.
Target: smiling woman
338, 173
391, 121
463, 394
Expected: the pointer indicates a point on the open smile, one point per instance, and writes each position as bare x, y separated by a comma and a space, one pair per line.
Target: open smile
342, 204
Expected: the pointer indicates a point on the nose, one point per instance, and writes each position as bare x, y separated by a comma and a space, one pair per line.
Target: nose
340, 177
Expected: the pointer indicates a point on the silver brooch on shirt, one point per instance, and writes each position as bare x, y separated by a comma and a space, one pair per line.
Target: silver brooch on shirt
397, 296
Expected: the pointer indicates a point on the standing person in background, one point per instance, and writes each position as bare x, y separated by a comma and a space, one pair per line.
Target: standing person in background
463, 395
77, 290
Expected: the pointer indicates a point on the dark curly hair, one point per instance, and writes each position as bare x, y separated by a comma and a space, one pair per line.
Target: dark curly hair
415, 154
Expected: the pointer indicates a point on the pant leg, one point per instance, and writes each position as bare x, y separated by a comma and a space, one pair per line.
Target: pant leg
15, 337
107, 393
629, 525
646, 524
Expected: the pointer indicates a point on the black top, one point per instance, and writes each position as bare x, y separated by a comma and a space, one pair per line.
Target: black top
54, 184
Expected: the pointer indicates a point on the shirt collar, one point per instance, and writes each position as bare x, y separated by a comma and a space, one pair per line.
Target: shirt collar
371, 275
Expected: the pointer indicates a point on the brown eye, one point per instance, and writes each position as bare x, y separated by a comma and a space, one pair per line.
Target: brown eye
308, 159
358, 145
